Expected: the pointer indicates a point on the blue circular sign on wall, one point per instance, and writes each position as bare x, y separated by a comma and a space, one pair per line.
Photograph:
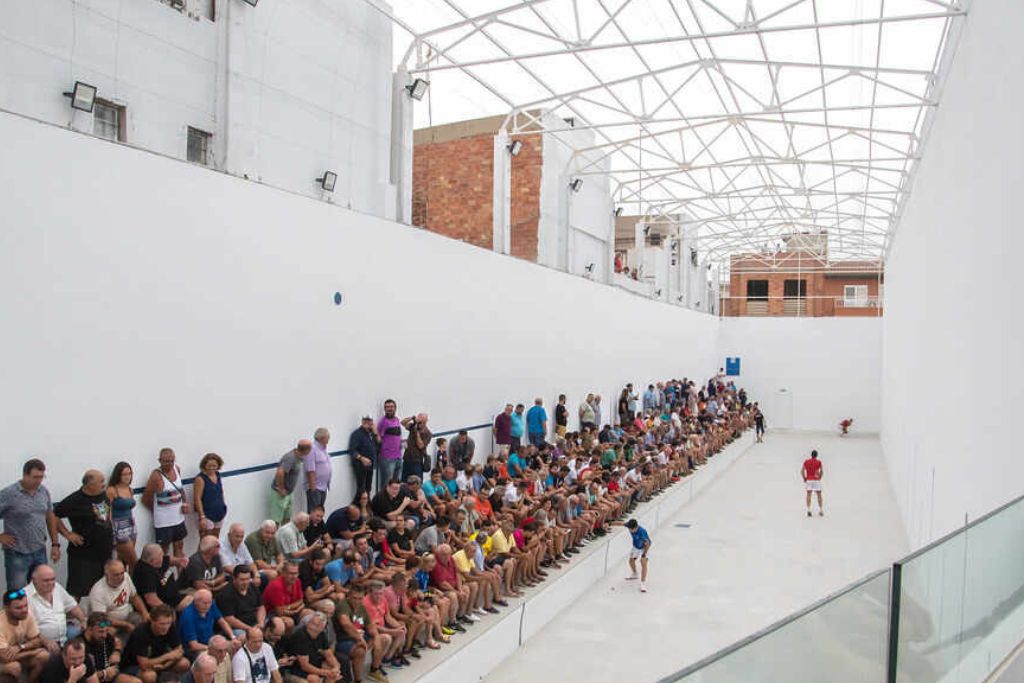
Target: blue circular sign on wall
337, 298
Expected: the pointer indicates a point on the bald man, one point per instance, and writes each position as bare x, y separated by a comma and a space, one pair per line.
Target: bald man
91, 540
200, 622
203, 670
286, 478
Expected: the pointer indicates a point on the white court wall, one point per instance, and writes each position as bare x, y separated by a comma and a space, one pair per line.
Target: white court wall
952, 364
183, 307
828, 367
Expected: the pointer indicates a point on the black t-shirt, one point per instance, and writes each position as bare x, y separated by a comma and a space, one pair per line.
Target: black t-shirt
301, 645
56, 672
163, 581
397, 540
242, 607
101, 651
310, 578
561, 415
383, 504
88, 516
339, 522
143, 642
314, 531
198, 570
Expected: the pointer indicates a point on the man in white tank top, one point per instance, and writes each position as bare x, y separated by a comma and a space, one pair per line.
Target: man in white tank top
164, 495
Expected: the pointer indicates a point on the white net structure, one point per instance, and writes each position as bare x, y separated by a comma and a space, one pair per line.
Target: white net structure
757, 119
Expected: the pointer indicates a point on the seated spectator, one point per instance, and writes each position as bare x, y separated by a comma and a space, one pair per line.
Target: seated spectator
371, 563
317, 529
318, 590
234, 552
437, 494
380, 616
466, 562
220, 650
57, 613
199, 621
357, 634
154, 648
419, 507
417, 624
240, 603
70, 666
104, 649
116, 596
155, 578
445, 577
255, 661
400, 540
343, 571
22, 648
283, 596
262, 545
344, 524
204, 569
390, 503
430, 537
314, 658
203, 670
291, 541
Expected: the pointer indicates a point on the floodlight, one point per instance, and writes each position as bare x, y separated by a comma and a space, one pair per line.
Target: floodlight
589, 268
83, 97
251, 3
515, 147
576, 184
618, 211
328, 180
418, 88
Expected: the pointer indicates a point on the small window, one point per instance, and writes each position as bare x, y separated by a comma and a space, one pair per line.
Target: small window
198, 146
855, 295
794, 289
757, 290
108, 121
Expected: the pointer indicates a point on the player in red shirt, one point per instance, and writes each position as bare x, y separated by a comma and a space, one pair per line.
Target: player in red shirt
812, 472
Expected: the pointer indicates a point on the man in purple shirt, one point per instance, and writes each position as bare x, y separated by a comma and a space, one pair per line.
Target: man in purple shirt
318, 469
389, 428
503, 429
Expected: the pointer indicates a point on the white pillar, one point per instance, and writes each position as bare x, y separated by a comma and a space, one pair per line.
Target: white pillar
502, 194
401, 145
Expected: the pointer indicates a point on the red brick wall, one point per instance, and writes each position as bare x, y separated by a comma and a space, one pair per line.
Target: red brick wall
452, 185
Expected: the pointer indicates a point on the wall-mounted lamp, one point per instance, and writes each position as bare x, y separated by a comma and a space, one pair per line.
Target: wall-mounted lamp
571, 121
576, 184
327, 181
418, 88
618, 211
647, 230
589, 268
515, 147
251, 3
657, 293
83, 97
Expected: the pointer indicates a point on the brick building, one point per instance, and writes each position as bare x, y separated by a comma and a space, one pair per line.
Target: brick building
802, 281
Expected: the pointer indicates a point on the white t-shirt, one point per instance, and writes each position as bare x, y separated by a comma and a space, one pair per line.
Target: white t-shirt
633, 477
233, 558
247, 667
462, 482
116, 602
51, 617
511, 495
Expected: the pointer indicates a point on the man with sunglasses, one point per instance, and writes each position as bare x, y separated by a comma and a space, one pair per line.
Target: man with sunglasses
22, 650
105, 650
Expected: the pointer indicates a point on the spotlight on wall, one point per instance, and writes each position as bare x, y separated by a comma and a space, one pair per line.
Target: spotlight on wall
418, 88
647, 230
576, 184
680, 297
589, 268
83, 97
657, 293
327, 181
515, 147
618, 211
251, 3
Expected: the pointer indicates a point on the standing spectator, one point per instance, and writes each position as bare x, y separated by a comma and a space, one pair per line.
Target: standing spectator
286, 477
561, 416
415, 460
165, 496
27, 512
442, 458
363, 448
587, 417
208, 495
537, 423
156, 579
502, 430
625, 418
255, 661
596, 405
52, 606
91, 541
154, 648
631, 400
70, 666
462, 450
234, 552
518, 427
22, 649
318, 470
116, 596
389, 429
122, 520
262, 545
650, 399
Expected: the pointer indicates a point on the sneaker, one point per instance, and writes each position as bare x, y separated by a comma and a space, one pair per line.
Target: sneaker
643, 587
503, 603
395, 662
481, 611
404, 661
472, 617
490, 610
378, 676
414, 653
632, 577
821, 513
464, 618
808, 513
448, 631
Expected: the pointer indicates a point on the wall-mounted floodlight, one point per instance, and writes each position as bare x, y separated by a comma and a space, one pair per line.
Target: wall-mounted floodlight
83, 97
418, 88
657, 292
576, 184
618, 211
647, 230
328, 180
515, 147
589, 268
571, 121
251, 3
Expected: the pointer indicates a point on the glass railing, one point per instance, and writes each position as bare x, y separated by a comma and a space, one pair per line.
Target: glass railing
949, 613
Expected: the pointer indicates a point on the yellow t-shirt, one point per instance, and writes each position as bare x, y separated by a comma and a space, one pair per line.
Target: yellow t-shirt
486, 546
499, 543
462, 563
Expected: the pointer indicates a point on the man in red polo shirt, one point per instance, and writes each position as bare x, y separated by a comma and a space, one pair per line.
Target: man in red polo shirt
445, 578
283, 596
812, 472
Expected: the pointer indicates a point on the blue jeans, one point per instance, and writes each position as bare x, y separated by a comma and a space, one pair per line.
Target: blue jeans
537, 439
16, 566
389, 469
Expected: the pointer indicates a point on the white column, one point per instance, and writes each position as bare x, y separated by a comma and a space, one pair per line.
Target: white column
401, 145
502, 194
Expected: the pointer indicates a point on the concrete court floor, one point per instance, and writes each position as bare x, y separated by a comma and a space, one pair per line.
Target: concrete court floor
750, 557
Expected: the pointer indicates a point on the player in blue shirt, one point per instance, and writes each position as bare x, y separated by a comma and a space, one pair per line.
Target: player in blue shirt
641, 544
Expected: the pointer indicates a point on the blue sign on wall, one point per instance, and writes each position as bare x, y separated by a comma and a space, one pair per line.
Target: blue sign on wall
732, 367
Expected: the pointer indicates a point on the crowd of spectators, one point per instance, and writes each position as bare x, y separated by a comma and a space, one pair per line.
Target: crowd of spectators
316, 596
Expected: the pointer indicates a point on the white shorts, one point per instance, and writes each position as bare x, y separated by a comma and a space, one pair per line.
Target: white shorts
635, 552
813, 484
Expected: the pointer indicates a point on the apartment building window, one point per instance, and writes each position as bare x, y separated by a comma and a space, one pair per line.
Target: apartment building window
794, 289
757, 290
109, 121
855, 295
198, 151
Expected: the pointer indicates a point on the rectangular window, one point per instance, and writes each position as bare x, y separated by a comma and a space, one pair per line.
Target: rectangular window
794, 289
855, 295
108, 121
757, 290
198, 146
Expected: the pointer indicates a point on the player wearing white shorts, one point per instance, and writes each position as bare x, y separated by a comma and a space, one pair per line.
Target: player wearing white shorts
641, 545
812, 472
